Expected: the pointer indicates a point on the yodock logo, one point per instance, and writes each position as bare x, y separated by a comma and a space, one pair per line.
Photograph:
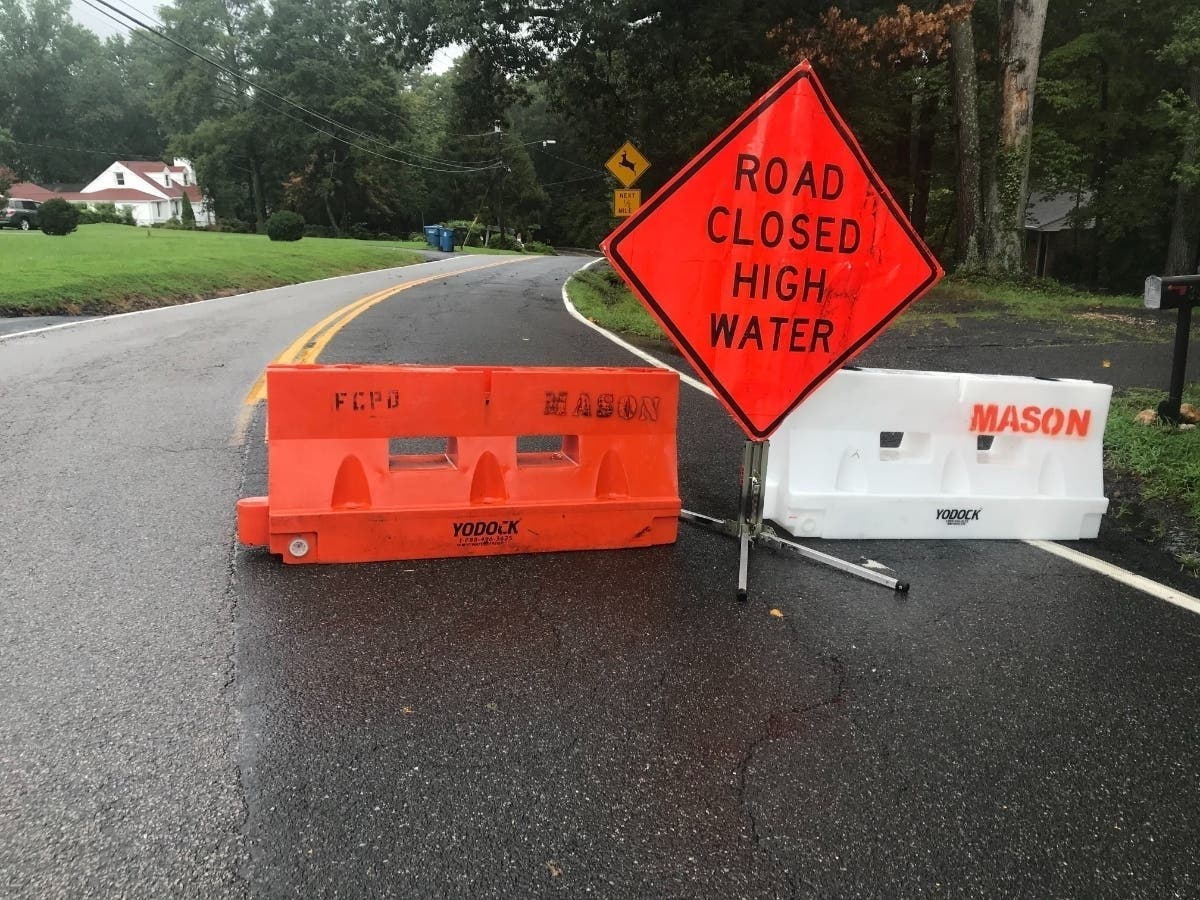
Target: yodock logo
958, 516
483, 531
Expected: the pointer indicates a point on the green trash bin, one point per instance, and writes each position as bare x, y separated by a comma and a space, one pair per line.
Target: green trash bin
447, 239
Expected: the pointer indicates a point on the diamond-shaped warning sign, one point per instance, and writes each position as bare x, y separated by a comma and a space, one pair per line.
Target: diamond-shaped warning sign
775, 256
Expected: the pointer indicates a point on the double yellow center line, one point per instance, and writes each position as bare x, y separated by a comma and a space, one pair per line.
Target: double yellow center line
309, 346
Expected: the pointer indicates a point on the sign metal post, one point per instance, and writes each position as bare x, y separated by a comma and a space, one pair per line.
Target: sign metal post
749, 528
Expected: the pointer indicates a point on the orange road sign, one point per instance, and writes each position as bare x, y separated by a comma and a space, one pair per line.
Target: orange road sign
775, 256
627, 165
626, 203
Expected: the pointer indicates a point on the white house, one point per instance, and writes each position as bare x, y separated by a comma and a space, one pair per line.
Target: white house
153, 190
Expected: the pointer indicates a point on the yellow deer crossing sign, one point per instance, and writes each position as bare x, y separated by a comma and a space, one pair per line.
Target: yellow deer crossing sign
627, 165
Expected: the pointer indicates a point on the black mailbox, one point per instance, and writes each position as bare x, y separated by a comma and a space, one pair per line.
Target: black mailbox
1171, 291
1180, 293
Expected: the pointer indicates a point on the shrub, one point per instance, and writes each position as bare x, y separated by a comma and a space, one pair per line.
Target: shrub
58, 217
285, 225
235, 226
96, 213
467, 233
187, 215
503, 242
539, 247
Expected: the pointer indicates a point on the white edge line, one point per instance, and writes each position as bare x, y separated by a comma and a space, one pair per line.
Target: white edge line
157, 309
636, 351
1130, 579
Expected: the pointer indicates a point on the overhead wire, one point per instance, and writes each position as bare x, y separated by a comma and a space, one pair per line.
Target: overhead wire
122, 154
449, 167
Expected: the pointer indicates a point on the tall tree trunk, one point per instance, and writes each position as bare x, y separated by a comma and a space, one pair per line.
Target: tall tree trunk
924, 112
967, 199
1021, 25
1181, 247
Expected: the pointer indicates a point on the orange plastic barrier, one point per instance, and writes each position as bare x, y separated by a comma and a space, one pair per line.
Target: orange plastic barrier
349, 481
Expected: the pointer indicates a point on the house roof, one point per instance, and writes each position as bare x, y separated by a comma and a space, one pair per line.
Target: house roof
111, 195
27, 190
147, 167
173, 189
1058, 212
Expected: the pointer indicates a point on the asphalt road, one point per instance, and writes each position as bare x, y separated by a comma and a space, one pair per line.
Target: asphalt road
187, 718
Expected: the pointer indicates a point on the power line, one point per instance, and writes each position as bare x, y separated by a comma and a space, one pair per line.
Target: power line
232, 95
112, 154
569, 162
573, 180
449, 167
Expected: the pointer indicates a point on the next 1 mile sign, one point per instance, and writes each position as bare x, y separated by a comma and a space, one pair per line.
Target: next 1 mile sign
775, 256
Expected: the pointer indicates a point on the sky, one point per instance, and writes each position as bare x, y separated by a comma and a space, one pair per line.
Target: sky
144, 9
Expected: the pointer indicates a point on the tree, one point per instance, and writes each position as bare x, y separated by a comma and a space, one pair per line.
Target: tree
898, 65
69, 102
209, 109
968, 206
58, 217
186, 214
1183, 109
1021, 25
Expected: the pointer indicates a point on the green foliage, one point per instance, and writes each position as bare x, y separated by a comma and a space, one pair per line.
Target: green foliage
599, 293
285, 225
63, 89
187, 214
1165, 459
234, 226
503, 242
539, 247
7, 177
58, 217
104, 213
466, 233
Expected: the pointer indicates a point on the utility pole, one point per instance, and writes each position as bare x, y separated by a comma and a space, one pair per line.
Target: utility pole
503, 172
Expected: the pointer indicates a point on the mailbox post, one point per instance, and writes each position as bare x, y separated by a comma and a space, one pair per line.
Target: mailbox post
1180, 293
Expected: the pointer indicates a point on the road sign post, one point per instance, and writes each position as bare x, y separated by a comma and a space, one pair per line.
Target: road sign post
773, 258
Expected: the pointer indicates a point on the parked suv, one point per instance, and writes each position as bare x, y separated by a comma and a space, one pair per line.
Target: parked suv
19, 214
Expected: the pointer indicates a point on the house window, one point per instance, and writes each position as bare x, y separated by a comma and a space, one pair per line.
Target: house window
120, 179
185, 178
174, 207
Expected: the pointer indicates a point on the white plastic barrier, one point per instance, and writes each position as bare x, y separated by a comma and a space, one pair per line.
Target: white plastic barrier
880, 453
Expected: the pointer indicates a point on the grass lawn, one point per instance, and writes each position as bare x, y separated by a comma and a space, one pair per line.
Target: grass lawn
1163, 462
103, 269
1103, 316
601, 295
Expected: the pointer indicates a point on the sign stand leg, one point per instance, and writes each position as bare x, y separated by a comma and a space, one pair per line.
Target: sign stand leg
749, 528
